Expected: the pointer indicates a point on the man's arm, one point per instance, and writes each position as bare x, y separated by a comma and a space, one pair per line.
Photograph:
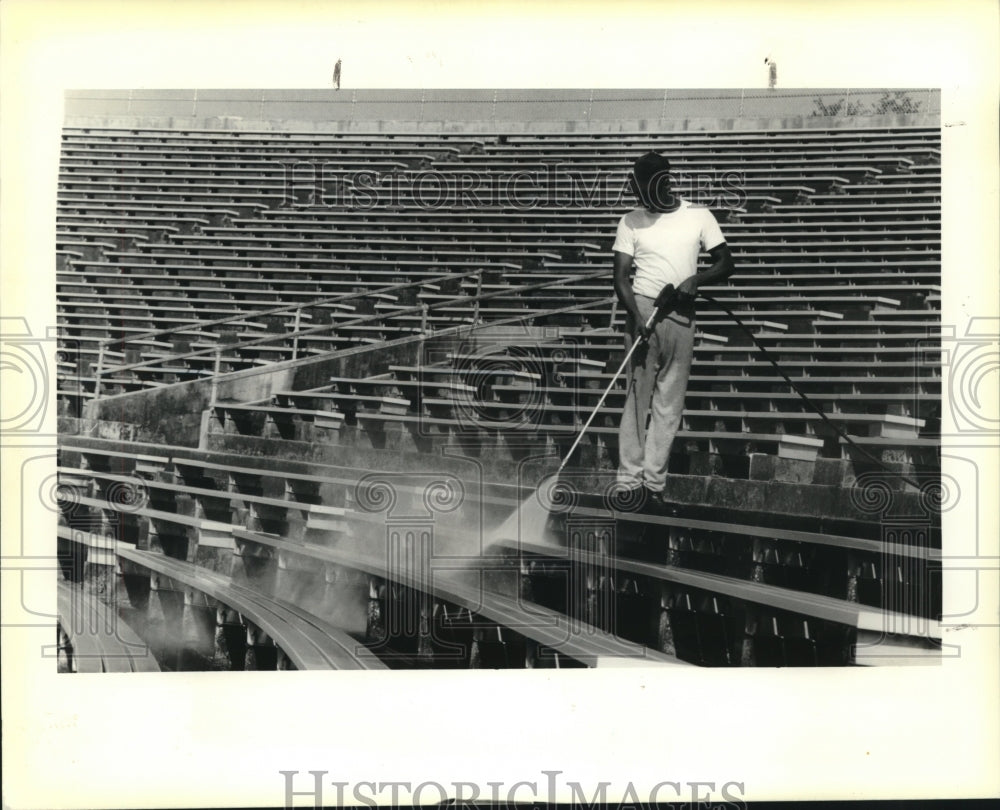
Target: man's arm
721, 269
623, 289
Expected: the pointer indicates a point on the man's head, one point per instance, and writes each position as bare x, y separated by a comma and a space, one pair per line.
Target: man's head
651, 182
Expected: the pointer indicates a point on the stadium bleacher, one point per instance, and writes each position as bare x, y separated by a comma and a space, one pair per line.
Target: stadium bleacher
303, 309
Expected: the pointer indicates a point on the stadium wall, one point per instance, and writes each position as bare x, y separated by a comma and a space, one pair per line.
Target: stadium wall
502, 111
175, 413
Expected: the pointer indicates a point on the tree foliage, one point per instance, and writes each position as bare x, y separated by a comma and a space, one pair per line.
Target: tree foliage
898, 101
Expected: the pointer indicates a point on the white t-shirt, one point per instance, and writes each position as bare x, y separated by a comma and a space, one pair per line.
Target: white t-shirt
665, 247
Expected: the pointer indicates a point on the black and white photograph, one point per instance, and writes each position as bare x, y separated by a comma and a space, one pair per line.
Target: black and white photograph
339, 401
370, 381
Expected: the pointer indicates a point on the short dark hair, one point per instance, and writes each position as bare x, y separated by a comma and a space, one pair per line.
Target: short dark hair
648, 172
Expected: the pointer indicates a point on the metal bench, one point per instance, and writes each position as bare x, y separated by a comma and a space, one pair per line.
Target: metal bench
94, 638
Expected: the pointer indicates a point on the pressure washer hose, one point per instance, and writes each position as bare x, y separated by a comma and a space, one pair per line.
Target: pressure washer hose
668, 299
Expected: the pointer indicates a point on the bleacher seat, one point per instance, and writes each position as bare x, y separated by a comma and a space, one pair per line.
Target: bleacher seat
183, 255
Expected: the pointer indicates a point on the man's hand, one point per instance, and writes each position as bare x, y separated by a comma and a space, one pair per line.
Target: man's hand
637, 326
687, 290
634, 324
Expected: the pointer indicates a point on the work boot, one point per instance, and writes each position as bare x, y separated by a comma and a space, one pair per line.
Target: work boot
654, 500
657, 504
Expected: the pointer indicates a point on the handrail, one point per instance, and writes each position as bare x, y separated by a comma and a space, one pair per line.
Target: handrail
516, 319
417, 308
330, 299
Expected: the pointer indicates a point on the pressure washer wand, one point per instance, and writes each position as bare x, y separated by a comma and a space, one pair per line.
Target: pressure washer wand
665, 298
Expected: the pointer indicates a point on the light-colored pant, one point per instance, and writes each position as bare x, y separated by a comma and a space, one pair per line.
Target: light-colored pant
657, 382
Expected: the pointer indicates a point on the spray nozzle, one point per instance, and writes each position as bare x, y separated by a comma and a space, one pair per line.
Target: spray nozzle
666, 300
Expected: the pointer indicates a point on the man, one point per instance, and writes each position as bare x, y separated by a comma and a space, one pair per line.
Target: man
663, 238
336, 74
